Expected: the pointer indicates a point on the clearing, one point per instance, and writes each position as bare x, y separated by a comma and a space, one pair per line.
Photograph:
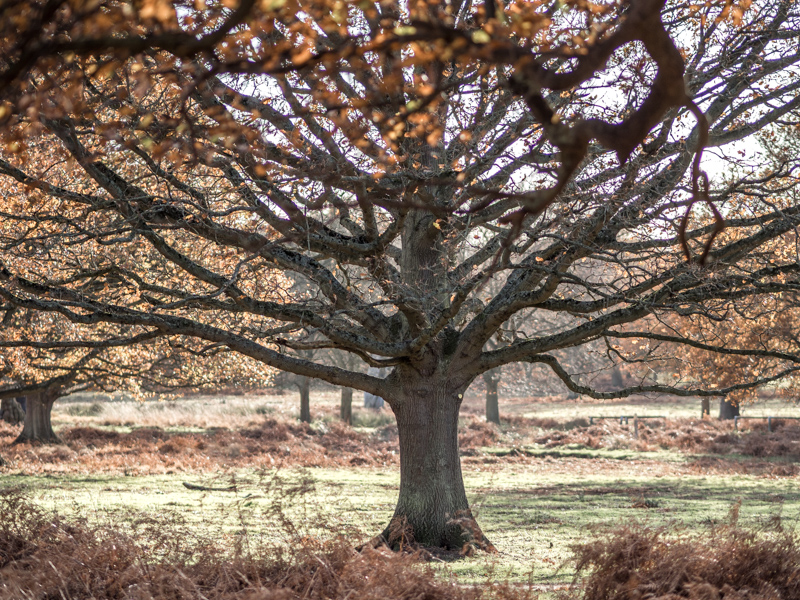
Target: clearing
541, 483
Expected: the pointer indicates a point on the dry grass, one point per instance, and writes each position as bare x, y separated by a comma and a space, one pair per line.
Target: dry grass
476, 433
710, 446
166, 443
695, 436
269, 443
639, 562
42, 556
46, 556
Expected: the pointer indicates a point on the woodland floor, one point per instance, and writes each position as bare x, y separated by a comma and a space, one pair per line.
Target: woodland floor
542, 483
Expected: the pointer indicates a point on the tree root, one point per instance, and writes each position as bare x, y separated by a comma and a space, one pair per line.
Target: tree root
464, 537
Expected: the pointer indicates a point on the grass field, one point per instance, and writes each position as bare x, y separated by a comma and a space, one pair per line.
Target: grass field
540, 484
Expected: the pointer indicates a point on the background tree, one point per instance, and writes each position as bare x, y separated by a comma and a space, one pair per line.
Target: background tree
594, 362
399, 160
45, 357
766, 323
11, 411
303, 384
349, 362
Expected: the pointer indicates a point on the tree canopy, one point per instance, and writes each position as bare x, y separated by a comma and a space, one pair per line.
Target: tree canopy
400, 158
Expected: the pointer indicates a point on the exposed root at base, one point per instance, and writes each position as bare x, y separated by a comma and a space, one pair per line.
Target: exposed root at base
463, 537
474, 538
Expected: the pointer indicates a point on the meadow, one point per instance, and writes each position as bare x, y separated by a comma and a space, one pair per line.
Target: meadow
239, 474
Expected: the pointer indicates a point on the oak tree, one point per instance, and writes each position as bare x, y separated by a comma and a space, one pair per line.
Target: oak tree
399, 158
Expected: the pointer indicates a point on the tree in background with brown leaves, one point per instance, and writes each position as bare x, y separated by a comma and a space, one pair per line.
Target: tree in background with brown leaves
755, 335
45, 356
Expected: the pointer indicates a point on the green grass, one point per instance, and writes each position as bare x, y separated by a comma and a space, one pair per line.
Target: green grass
84, 409
532, 518
524, 515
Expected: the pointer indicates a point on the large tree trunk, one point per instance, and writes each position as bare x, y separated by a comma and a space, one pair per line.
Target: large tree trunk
304, 385
37, 427
491, 379
432, 508
346, 407
727, 411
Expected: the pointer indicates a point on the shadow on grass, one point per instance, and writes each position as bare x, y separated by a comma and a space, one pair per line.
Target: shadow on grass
563, 512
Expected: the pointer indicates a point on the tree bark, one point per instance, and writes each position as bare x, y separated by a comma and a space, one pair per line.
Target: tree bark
11, 412
727, 411
304, 385
346, 407
37, 427
705, 407
432, 507
491, 379
617, 380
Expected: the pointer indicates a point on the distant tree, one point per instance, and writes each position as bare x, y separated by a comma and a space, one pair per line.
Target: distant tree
491, 378
11, 411
714, 357
400, 158
303, 384
350, 362
753, 336
592, 361
375, 400
45, 356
